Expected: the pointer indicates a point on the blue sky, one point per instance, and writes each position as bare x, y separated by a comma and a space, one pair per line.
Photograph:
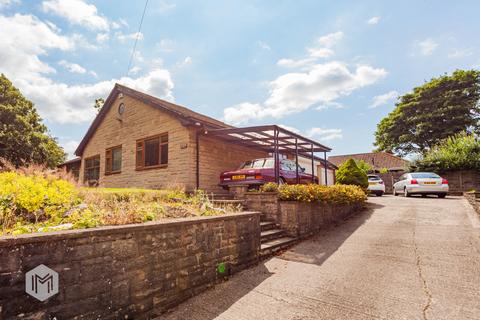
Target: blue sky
328, 69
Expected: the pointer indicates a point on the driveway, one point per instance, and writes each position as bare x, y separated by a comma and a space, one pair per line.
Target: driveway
403, 258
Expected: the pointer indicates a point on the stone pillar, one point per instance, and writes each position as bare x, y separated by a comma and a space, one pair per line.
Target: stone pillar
238, 191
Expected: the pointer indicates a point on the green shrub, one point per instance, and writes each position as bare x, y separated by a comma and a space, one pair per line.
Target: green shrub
337, 194
460, 152
362, 165
269, 187
349, 174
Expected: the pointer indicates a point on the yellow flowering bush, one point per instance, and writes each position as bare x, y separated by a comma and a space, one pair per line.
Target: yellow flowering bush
336, 194
39, 201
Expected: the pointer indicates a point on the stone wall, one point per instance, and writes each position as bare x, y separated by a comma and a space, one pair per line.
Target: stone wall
462, 180
265, 202
137, 122
474, 199
298, 219
125, 272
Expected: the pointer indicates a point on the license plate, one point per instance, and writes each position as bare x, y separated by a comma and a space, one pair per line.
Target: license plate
372, 183
239, 177
429, 183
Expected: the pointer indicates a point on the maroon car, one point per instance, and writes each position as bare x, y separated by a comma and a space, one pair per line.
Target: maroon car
260, 171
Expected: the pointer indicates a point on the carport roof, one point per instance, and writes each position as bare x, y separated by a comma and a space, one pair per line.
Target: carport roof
265, 138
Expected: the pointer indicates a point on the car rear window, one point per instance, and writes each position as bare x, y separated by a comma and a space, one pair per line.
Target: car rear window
374, 178
257, 164
424, 175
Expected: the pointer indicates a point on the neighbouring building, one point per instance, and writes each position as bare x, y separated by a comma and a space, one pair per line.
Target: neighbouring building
388, 166
138, 140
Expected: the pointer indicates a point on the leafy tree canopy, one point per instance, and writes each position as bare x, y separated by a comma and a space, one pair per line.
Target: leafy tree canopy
438, 109
460, 152
349, 173
364, 166
98, 104
23, 137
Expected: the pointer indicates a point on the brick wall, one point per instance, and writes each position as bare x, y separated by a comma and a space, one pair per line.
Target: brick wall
217, 156
125, 272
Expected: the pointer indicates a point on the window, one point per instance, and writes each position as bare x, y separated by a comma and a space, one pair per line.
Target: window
92, 169
113, 160
152, 152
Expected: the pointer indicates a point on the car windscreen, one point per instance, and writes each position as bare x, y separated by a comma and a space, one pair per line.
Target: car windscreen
257, 164
424, 175
374, 178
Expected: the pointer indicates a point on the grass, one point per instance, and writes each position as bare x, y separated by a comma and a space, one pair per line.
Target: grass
36, 200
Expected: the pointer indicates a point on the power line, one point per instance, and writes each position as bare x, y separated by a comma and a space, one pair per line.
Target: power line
136, 38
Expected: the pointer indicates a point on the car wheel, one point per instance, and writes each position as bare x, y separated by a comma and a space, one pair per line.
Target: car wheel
406, 193
379, 194
443, 195
395, 192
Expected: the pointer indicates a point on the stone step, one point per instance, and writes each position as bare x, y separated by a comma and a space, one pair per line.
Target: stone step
271, 234
227, 201
267, 225
220, 196
275, 245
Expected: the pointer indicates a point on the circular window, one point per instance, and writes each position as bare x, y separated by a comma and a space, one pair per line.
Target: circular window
121, 109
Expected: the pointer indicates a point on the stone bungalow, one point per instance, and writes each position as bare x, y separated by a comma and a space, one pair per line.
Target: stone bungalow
138, 140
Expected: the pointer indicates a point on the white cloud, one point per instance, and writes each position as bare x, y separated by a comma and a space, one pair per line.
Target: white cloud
163, 6
77, 12
383, 99
330, 40
102, 37
373, 20
295, 92
185, 62
69, 147
322, 49
25, 39
291, 63
460, 53
165, 45
72, 67
263, 45
7, 3
93, 73
123, 38
323, 134
427, 46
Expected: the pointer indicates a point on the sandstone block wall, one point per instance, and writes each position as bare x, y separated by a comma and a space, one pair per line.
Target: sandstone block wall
125, 272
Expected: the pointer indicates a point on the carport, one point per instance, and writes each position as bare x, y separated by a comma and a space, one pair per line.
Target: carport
275, 140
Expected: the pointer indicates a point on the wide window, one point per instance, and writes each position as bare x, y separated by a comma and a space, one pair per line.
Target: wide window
113, 160
152, 152
92, 169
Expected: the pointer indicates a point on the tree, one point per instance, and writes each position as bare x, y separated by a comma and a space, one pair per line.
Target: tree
349, 173
460, 152
362, 165
23, 138
438, 109
98, 104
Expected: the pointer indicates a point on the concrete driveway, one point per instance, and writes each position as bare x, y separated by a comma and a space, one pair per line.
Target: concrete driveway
404, 258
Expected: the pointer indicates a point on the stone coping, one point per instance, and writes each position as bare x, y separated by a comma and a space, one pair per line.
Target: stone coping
6, 241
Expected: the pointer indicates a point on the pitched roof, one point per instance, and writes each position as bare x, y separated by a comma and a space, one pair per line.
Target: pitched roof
378, 160
186, 116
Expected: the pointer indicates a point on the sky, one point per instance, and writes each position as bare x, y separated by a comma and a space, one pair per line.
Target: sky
330, 70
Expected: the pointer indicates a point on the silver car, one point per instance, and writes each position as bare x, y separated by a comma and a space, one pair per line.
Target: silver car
423, 183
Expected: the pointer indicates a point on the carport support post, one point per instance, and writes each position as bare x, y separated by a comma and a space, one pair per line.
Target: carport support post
276, 157
313, 165
296, 160
197, 159
326, 164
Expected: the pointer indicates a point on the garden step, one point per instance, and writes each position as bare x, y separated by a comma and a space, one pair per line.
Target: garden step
267, 225
268, 235
275, 245
227, 201
220, 196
